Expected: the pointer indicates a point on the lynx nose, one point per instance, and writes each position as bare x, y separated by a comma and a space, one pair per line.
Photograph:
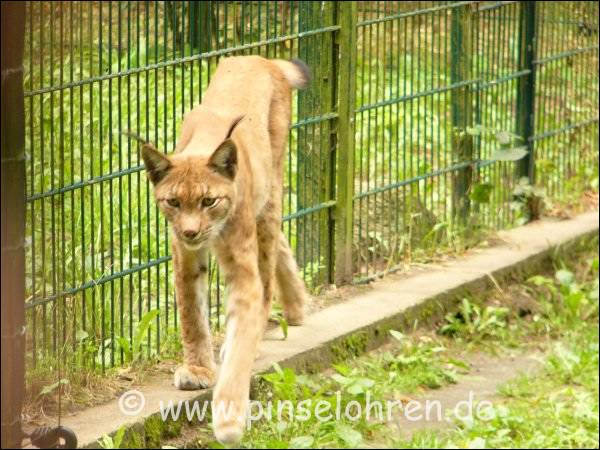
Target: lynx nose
190, 234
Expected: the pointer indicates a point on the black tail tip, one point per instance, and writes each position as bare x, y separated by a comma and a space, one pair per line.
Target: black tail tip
304, 70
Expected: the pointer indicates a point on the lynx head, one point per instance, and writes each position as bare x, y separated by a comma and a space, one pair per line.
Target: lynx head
195, 193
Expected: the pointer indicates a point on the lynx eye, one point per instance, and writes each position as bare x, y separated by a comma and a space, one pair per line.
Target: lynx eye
208, 201
173, 202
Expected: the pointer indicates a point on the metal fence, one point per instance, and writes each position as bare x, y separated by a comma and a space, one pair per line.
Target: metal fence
409, 140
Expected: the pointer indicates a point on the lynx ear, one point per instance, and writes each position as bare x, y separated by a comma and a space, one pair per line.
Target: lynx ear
157, 164
224, 159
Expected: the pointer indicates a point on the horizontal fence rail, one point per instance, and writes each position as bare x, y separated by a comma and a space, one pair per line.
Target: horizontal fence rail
425, 124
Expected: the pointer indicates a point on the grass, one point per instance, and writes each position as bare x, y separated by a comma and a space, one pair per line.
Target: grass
96, 231
556, 313
564, 394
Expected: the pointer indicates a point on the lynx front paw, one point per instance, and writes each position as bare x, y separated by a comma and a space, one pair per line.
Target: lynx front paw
189, 377
229, 408
229, 434
294, 316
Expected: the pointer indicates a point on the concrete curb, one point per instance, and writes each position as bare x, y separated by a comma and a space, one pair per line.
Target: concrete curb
358, 324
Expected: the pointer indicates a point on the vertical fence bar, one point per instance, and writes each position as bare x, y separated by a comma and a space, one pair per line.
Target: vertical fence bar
328, 84
462, 109
526, 88
347, 52
13, 222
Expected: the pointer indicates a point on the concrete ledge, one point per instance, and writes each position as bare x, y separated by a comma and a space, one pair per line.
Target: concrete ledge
358, 324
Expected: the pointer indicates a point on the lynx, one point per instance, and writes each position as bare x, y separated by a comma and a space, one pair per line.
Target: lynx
222, 191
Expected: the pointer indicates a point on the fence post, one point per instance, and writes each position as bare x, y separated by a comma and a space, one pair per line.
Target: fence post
201, 26
328, 137
313, 247
13, 222
347, 54
462, 109
526, 88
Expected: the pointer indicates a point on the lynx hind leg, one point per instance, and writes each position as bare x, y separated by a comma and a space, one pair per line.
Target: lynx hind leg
292, 292
268, 243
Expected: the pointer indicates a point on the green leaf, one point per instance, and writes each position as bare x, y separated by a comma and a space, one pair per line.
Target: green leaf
281, 427
284, 327
271, 377
478, 442
48, 389
305, 380
302, 442
349, 435
278, 369
397, 335
289, 376
107, 442
540, 280
118, 439
125, 346
81, 335
480, 192
503, 137
342, 368
458, 363
142, 328
341, 379
439, 226
474, 131
360, 386
510, 154
565, 277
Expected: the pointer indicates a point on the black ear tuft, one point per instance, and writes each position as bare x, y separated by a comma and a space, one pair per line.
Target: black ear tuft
157, 164
224, 159
234, 124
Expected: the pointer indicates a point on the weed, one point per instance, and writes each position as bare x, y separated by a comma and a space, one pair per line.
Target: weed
133, 348
476, 322
113, 441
